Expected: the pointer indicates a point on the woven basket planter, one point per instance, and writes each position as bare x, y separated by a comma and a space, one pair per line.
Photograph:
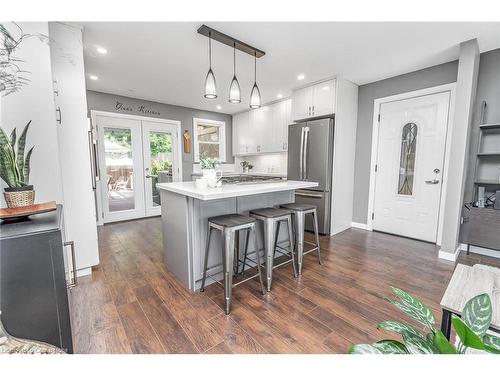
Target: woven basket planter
19, 198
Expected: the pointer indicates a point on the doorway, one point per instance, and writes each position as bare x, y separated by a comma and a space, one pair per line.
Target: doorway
409, 164
135, 154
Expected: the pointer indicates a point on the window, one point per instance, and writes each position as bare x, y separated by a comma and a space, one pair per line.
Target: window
209, 138
407, 159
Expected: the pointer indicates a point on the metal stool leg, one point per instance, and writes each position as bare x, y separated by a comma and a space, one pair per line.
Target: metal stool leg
202, 289
300, 239
258, 258
228, 251
247, 237
316, 233
269, 242
292, 245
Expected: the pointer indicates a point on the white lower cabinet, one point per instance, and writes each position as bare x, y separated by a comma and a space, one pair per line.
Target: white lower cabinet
262, 130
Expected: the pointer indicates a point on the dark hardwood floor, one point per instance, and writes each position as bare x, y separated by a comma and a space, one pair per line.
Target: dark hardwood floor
132, 304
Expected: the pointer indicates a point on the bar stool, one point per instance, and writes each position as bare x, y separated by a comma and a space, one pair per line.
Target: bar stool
300, 210
229, 225
271, 219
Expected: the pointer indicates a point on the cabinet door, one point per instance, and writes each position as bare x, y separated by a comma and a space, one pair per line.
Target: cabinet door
259, 130
302, 103
280, 126
240, 133
324, 98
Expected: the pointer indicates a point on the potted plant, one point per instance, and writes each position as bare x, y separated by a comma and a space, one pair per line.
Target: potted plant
471, 328
15, 168
246, 166
209, 169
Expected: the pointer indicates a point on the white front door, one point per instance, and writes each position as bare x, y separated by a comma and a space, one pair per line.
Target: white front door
410, 159
134, 155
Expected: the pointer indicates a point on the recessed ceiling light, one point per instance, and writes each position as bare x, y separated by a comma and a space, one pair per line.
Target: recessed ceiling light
300, 77
279, 96
219, 107
93, 77
102, 50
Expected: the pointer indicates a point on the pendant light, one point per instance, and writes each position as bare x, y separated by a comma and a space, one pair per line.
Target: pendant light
255, 94
234, 89
210, 87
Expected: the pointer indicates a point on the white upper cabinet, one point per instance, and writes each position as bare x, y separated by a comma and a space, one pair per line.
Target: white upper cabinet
314, 101
240, 133
302, 103
262, 130
281, 120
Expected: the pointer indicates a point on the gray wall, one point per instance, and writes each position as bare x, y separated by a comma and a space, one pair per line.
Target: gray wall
488, 89
108, 102
429, 77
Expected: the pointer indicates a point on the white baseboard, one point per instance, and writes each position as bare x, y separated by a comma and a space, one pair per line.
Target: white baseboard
84, 272
452, 257
359, 225
481, 250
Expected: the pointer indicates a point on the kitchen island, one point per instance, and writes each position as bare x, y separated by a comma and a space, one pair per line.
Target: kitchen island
185, 212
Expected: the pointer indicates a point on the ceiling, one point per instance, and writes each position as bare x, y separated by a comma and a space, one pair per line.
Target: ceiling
167, 61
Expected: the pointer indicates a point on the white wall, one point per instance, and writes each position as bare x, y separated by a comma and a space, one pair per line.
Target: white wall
468, 70
35, 102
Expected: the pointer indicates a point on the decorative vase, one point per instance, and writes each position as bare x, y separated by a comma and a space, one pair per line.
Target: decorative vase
212, 177
19, 196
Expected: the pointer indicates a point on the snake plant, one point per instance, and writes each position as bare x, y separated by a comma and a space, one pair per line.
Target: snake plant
471, 329
15, 167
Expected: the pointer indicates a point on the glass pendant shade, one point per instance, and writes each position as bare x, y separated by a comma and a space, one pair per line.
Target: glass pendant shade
210, 87
255, 97
234, 91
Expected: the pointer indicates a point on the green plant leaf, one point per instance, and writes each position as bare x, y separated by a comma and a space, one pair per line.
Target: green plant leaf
491, 341
364, 349
6, 171
417, 345
441, 343
10, 166
26, 169
467, 335
476, 314
21, 144
13, 138
3, 138
399, 327
414, 308
390, 347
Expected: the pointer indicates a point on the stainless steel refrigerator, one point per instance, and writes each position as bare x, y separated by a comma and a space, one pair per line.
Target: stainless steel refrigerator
310, 158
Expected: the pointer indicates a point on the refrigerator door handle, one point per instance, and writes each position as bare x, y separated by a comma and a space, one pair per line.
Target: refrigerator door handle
306, 141
301, 173
309, 195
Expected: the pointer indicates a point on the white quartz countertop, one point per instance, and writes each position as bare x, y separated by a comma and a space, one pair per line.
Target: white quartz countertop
233, 190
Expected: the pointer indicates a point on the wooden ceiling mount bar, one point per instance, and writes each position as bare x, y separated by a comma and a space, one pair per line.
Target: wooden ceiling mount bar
230, 41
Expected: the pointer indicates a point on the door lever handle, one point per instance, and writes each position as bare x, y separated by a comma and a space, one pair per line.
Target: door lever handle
432, 182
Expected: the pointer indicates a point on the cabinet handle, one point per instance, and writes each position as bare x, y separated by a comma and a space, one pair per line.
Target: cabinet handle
56, 88
313, 110
309, 110
59, 120
73, 261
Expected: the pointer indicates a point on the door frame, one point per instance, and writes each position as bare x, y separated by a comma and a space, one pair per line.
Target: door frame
450, 87
93, 116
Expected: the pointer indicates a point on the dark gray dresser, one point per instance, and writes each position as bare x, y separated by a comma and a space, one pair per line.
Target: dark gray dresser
33, 289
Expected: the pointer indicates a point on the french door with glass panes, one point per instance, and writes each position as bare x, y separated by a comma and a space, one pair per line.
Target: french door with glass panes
135, 155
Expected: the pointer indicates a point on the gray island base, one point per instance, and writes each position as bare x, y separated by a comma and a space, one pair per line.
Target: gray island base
185, 213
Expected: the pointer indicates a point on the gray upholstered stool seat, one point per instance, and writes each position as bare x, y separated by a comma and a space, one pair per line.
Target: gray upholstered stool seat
270, 212
229, 226
231, 220
298, 206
